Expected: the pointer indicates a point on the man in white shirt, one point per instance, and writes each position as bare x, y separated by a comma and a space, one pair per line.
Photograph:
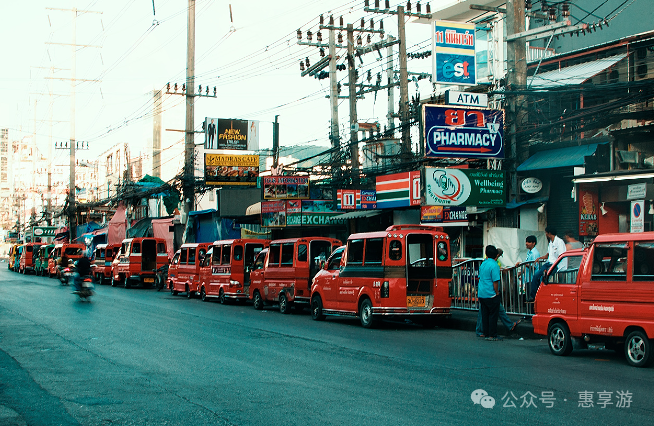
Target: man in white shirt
555, 247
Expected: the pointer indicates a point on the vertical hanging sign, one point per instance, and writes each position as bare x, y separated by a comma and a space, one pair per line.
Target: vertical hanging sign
453, 44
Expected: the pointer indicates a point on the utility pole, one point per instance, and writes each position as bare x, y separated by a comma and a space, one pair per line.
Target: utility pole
354, 124
72, 207
333, 103
516, 79
404, 88
390, 74
275, 143
156, 134
189, 144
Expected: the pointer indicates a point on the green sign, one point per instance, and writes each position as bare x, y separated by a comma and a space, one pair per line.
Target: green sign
464, 187
44, 231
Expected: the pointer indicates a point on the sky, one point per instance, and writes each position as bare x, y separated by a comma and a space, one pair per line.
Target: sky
133, 47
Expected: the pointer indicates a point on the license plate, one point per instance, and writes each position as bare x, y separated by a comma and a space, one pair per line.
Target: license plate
148, 280
415, 301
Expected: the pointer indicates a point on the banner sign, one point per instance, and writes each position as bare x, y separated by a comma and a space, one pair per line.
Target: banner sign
299, 213
463, 133
273, 213
356, 199
220, 169
637, 216
588, 207
44, 231
454, 97
464, 187
220, 133
282, 187
442, 214
398, 190
453, 44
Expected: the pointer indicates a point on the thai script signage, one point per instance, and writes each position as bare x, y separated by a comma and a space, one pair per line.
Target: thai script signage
463, 133
464, 187
226, 170
453, 44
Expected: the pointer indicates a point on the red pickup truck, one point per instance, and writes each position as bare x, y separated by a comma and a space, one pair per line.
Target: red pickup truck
139, 259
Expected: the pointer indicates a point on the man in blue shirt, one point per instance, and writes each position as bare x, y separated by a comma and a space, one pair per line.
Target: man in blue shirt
488, 293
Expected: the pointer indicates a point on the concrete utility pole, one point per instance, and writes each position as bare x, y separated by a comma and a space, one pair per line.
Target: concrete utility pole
333, 103
390, 74
189, 144
156, 134
404, 87
516, 79
354, 124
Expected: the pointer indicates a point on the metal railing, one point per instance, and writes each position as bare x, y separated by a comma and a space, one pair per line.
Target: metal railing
514, 286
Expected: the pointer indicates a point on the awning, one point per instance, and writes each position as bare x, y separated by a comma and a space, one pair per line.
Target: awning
560, 157
572, 75
358, 214
253, 209
514, 204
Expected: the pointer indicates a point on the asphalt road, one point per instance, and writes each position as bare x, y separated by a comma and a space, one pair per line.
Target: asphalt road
142, 357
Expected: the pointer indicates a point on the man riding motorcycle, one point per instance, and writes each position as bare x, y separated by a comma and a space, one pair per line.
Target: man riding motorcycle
82, 270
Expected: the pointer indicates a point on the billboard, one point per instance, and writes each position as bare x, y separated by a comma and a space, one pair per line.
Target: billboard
221, 133
273, 213
398, 190
356, 199
284, 213
283, 187
453, 44
221, 169
457, 132
443, 214
464, 187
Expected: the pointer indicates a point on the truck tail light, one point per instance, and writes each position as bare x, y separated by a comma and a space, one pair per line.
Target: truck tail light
384, 292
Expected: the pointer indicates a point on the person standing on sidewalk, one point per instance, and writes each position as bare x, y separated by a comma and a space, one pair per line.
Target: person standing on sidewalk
555, 248
488, 293
504, 318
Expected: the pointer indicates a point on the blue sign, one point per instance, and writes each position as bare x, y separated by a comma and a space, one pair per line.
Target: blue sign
453, 44
456, 132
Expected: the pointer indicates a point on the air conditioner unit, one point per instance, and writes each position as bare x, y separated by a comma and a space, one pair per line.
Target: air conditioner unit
629, 157
649, 161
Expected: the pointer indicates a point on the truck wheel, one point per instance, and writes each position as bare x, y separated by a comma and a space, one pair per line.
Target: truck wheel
637, 349
172, 289
203, 294
559, 339
365, 314
221, 297
283, 304
257, 301
316, 308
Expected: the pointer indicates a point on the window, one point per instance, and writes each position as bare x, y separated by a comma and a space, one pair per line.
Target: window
161, 248
644, 261
273, 258
395, 250
374, 251
238, 253
226, 257
287, 254
191, 255
73, 251
258, 264
610, 262
335, 261
420, 250
563, 274
136, 248
251, 251
215, 258
202, 254
183, 258
176, 258
355, 252
206, 260
302, 251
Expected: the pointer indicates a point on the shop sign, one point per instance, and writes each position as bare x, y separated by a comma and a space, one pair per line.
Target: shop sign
457, 132
220, 169
637, 191
442, 214
284, 213
285, 187
479, 100
637, 216
398, 190
44, 231
320, 213
220, 133
273, 213
588, 207
531, 185
453, 44
464, 187
355, 199
294, 213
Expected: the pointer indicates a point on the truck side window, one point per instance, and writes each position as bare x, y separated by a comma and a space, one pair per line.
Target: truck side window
610, 262
355, 252
136, 248
302, 253
238, 253
227, 253
566, 275
216, 255
335, 261
273, 257
395, 250
287, 254
161, 248
643, 261
191, 255
374, 251
183, 257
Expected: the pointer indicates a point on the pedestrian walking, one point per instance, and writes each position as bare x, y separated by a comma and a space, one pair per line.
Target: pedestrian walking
488, 293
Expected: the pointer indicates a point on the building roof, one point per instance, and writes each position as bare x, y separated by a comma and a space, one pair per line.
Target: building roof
572, 75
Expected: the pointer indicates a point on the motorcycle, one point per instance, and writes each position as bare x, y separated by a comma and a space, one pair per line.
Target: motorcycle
87, 289
162, 277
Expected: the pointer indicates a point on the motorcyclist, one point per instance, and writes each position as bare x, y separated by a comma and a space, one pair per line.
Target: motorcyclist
82, 270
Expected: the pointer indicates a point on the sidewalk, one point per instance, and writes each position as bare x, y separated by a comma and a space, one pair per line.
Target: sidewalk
461, 319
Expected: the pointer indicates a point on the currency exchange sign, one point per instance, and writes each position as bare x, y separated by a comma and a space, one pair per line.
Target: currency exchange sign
456, 132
